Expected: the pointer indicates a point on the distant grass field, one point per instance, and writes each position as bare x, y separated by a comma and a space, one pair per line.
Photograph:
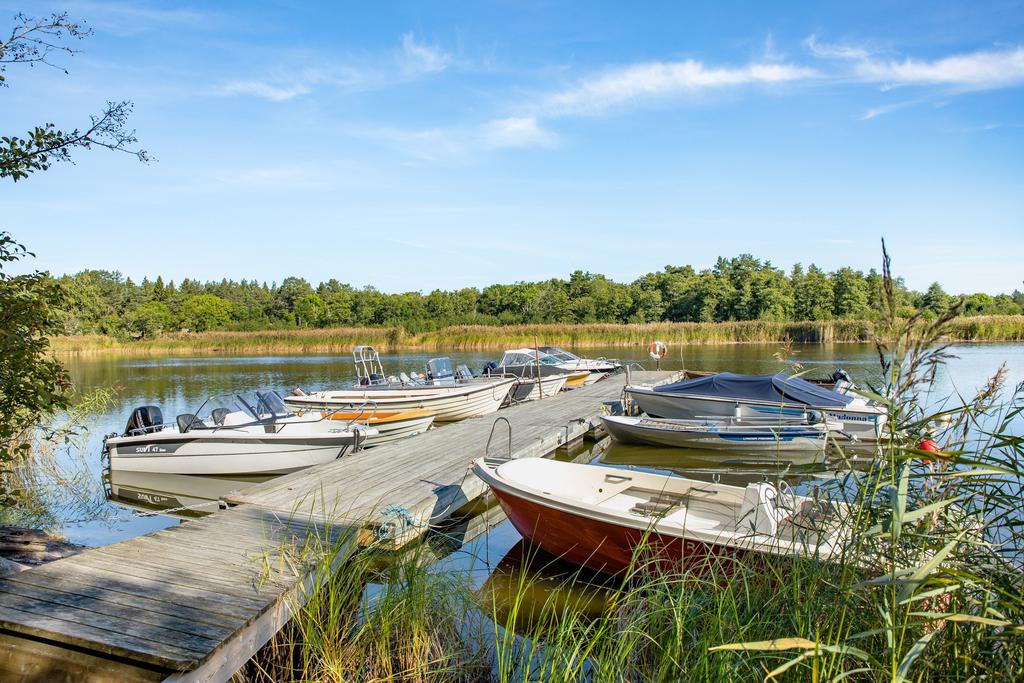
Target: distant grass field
468, 337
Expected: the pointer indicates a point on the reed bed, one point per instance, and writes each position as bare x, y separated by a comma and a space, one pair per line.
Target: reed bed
928, 587
480, 337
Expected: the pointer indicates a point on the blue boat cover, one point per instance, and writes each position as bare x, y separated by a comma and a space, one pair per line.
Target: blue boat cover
772, 388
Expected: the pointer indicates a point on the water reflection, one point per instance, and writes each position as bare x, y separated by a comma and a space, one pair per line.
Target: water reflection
529, 588
181, 384
180, 495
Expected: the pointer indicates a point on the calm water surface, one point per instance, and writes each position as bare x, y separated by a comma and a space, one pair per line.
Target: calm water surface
180, 385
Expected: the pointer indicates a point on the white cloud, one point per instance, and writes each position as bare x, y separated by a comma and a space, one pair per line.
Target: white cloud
412, 61
419, 58
832, 51
268, 91
982, 70
516, 131
662, 79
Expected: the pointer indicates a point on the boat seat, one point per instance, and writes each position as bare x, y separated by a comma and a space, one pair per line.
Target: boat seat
189, 421
660, 504
218, 415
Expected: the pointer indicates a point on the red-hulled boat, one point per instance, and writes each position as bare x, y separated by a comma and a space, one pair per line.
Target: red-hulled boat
600, 516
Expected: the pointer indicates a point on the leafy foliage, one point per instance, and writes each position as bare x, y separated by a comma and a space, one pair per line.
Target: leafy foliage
32, 384
743, 288
32, 41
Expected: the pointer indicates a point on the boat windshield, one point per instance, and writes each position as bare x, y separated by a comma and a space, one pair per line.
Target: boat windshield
560, 353
270, 404
440, 368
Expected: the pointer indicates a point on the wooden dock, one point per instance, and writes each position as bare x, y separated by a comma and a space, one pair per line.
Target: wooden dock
195, 601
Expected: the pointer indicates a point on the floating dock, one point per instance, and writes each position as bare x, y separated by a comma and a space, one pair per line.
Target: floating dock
195, 601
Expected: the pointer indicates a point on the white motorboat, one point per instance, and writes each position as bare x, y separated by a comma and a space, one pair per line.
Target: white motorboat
260, 438
726, 434
608, 519
597, 367
530, 389
529, 364
450, 395
759, 396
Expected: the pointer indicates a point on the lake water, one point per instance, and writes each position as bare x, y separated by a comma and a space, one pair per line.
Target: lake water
179, 385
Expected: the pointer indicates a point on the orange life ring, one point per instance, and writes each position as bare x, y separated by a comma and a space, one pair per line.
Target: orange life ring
657, 349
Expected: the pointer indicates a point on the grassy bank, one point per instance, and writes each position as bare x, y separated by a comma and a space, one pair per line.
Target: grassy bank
341, 340
927, 584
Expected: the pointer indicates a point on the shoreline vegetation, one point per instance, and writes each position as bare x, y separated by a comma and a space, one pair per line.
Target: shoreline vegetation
995, 328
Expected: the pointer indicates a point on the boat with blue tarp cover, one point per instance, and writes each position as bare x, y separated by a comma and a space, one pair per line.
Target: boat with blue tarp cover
727, 394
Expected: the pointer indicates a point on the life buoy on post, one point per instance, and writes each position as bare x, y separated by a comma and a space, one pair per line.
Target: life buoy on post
657, 351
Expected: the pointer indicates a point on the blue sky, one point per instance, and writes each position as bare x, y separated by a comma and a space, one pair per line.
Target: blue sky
411, 146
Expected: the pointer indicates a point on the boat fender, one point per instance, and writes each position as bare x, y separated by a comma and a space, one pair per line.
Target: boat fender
657, 349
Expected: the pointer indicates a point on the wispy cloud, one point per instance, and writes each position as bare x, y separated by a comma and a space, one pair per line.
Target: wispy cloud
126, 18
268, 91
516, 131
420, 58
652, 80
834, 51
982, 70
411, 61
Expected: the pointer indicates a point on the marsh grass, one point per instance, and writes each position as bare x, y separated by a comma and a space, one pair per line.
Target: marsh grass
929, 586
473, 337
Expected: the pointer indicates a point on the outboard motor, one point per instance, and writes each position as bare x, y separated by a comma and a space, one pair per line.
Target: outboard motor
840, 375
490, 367
144, 419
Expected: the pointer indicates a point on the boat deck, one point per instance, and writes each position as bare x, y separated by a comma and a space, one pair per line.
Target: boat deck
195, 601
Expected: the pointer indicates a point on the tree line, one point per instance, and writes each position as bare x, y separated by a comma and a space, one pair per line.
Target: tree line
739, 288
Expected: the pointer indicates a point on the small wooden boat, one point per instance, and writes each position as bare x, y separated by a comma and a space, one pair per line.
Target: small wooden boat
721, 434
608, 519
390, 425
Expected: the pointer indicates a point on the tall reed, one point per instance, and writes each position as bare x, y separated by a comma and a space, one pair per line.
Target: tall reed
928, 587
470, 337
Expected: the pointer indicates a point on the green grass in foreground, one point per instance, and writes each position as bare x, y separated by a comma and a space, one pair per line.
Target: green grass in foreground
929, 586
341, 340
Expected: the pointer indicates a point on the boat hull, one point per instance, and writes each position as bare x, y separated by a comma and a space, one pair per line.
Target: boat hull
865, 423
449, 404
663, 433
229, 455
400, 426
600, 545
531, 390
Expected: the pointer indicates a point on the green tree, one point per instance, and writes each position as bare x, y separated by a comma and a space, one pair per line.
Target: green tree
202, 312
150, 319
34, 42
309, 310
935, 300
851, 294
32, 383
814, 299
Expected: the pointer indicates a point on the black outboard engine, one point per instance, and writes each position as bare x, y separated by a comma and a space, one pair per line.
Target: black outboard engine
143, 420
840, 375
490, 367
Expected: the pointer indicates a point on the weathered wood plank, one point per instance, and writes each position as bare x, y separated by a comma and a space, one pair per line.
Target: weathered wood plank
171, 623
212, 615
227, 582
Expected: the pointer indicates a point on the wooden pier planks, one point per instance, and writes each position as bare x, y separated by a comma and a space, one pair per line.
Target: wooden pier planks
195, 601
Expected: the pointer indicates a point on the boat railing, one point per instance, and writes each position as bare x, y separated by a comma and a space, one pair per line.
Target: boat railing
361, 413
493, 460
